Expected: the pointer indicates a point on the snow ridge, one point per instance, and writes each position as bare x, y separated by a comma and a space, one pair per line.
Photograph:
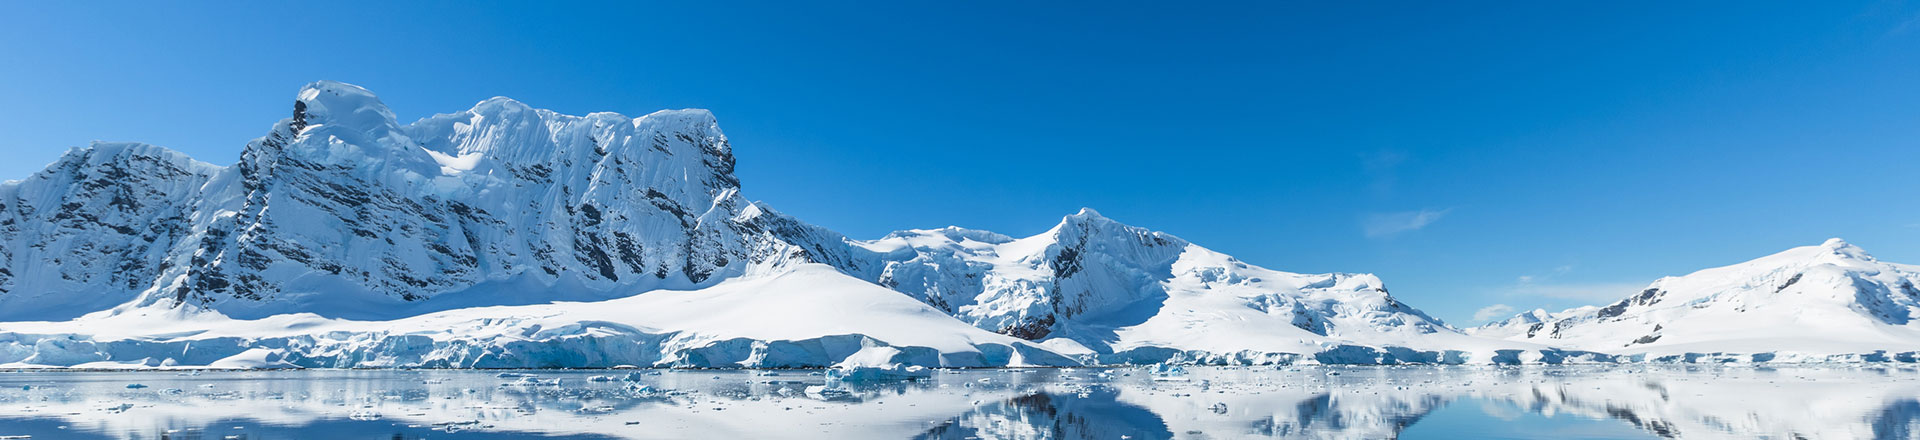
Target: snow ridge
1831, 301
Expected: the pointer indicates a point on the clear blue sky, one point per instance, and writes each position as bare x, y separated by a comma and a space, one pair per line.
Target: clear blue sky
1453, 148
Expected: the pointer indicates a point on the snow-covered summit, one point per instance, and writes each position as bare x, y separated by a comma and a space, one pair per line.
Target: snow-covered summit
332, 103
1808, 302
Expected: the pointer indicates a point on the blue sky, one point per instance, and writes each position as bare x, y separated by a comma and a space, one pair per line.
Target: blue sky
1530, 154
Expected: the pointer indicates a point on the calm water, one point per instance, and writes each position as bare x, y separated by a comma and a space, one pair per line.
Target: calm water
1211, 403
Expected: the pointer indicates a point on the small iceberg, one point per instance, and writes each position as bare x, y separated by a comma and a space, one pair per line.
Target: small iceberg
1170, 373
876, 364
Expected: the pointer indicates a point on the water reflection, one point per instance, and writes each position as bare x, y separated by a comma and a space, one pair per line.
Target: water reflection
1093, 413
1880, 402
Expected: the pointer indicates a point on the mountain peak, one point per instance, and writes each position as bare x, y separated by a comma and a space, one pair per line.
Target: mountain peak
1087, 216
1838, 248
99, 153
1842, 248
341, 104
112, 149
499, 104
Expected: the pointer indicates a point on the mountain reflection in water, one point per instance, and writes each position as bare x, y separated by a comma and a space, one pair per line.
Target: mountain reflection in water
1814, 402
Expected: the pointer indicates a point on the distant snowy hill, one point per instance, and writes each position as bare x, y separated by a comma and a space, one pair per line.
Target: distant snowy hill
1525, 323
1092, 286
1830, 302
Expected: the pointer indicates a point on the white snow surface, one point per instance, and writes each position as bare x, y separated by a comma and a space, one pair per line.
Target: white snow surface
798, 318
1828, 302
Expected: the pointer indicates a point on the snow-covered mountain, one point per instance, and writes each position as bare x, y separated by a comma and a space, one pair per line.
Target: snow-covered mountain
1092, 286
342, 220
341, 211
1525, 322
94, 228
1832, 301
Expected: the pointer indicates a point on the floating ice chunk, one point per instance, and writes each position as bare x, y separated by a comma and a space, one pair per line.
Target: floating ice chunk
1170, 373
530, 381
825, 392
874, 364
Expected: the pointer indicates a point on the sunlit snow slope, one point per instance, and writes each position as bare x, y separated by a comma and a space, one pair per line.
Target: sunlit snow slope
1830, 302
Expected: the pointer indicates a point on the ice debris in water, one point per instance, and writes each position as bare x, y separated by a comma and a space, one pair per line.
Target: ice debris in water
530, 381
1169, 372
881, 373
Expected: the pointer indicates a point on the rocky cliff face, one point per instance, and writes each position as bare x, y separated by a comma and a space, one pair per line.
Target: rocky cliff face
340, 204
93, 228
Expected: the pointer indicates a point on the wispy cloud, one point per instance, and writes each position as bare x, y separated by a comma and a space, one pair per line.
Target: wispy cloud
1909, 24
1592, 293
1395, 223
1544, 285
1379, 167
1488, 313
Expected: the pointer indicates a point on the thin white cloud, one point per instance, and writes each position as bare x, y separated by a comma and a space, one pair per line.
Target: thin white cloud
1592, 293
1543, 285
1905, 26
1379, 166
1488, 313
1395, 223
